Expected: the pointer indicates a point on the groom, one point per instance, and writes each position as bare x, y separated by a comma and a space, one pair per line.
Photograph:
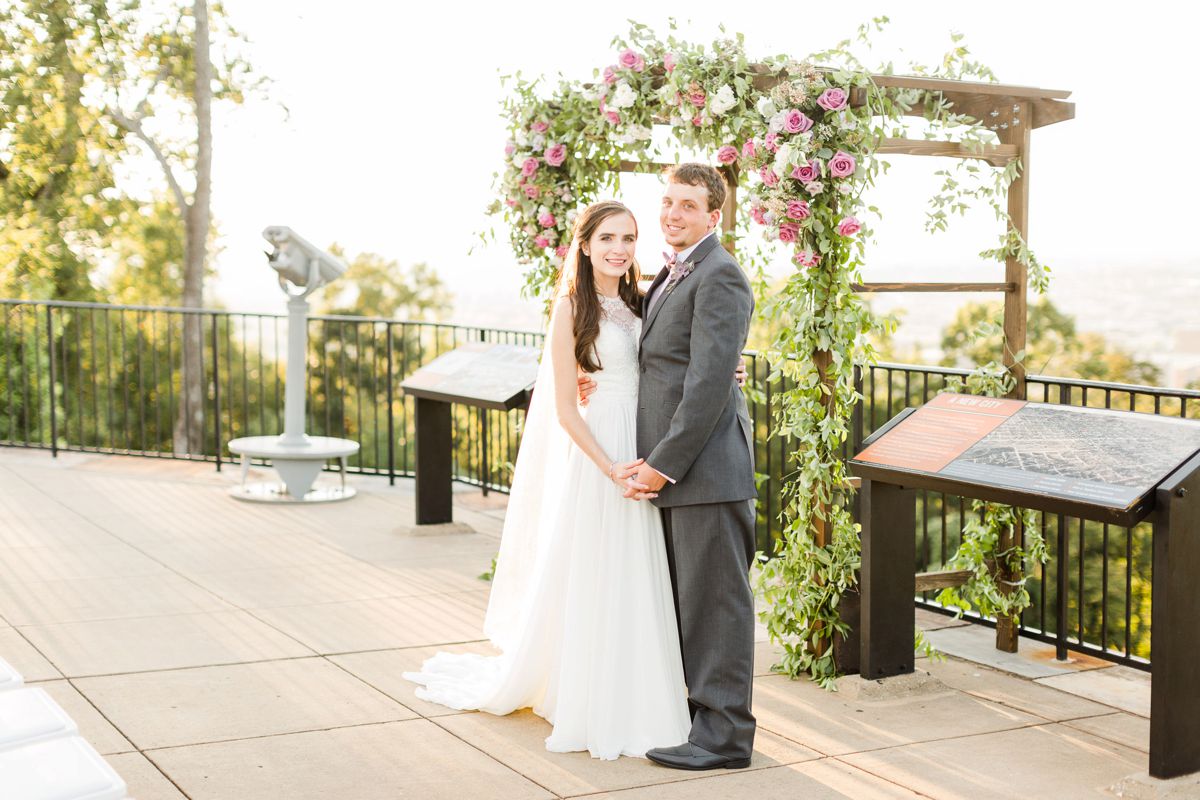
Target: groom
694, 435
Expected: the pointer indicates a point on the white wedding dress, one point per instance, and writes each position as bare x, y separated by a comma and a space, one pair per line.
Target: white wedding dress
581, 606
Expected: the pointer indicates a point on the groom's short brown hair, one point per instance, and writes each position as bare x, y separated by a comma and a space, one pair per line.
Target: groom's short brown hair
694, 174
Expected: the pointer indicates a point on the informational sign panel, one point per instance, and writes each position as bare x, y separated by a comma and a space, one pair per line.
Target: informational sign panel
488, 375
1094, 456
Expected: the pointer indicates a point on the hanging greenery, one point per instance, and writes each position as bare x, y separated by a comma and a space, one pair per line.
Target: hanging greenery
800, 138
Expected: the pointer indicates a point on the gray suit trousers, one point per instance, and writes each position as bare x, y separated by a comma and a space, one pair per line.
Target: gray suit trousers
710, 548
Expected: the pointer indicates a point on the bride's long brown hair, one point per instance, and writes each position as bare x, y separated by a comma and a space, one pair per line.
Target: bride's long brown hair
579, 282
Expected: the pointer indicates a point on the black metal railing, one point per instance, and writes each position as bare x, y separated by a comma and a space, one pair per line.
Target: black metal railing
111, 379
120, 384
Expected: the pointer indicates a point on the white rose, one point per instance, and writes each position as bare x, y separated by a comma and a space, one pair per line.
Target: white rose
522, 138
668, 96
640, 132
783, 157
626, 137
538, 142
723, 100
766, 107
776, 123
678, 121
844, 188
624, 96
518, 159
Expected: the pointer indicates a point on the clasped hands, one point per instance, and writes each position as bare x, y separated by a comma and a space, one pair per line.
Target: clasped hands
637, 479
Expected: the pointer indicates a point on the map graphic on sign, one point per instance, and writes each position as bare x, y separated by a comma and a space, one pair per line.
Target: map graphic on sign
1098, 456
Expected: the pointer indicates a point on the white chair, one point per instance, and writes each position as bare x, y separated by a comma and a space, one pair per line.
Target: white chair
42, 755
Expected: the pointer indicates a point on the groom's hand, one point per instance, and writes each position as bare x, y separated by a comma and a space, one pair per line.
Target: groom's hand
586, 387
624, 475
645, 483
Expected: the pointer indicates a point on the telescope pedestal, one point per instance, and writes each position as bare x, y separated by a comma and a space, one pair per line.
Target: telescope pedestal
297, 465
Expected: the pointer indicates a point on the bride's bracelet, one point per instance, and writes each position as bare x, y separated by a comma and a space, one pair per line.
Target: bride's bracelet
611, 477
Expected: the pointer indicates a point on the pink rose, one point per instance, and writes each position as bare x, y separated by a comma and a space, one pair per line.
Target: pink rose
756, 214
540, 126
727, 154
806, 258
832, 99
561, 251
631, 60
556, 154
510, 202
532, 191
509, 149
542, 241
796, 122
613, 116
772, 142
788, 232
610, 74
768, 177
806, 173
849, 226
696, 95
697, 121
798, 209
842, 164
546, 219
748, 149
529, 167
669, 62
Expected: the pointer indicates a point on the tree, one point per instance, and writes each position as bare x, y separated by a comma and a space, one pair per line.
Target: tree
83, 85
1055, 347
164, 66
57, 151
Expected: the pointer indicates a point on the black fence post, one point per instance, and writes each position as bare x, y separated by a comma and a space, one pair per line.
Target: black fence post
53, 382
1060, 635
391, 419
216, 393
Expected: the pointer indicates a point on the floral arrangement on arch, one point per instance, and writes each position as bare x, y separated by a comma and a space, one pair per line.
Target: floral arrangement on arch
801, 143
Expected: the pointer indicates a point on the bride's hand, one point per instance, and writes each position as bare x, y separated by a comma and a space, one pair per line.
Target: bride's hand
740, 375
621, 475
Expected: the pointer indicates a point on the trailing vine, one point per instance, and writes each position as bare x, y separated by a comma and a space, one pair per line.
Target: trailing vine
800, 138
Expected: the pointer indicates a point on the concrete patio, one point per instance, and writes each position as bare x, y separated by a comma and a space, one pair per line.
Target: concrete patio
216, 649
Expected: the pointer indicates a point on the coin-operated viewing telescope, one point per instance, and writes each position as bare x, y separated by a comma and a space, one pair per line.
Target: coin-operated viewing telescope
299, 263
298, 458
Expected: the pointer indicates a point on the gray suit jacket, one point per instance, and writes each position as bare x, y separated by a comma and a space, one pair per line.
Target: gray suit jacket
692, 422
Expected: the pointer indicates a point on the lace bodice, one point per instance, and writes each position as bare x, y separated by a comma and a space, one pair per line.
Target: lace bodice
617, 348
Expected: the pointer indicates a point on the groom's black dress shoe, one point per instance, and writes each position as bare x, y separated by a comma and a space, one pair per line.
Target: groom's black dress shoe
690, 756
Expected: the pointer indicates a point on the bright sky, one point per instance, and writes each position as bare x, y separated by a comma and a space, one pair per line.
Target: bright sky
394, 130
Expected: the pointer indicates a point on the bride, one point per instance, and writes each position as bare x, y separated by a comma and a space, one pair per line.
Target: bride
581, 605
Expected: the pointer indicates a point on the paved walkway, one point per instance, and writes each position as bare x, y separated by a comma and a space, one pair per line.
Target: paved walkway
215, 649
